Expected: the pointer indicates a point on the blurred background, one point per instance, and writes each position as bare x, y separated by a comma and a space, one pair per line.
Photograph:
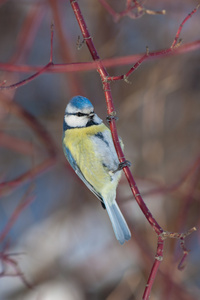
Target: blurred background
62, 241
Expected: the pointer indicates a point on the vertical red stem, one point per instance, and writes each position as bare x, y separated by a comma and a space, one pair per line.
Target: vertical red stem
152, 276
111, 111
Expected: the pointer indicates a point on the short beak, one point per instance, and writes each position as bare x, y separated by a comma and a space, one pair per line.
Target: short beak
91, 115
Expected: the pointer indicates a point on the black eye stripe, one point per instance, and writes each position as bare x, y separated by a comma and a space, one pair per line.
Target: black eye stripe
79, 114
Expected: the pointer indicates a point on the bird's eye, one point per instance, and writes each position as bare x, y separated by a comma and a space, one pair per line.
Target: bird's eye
79, 114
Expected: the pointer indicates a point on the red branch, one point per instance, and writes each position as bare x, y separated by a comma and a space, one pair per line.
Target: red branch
28, 79
100, 65
147, 55
112, 116
181, 26
134, 9
111, 112
86, 66
6, 261
108, 62
156, 264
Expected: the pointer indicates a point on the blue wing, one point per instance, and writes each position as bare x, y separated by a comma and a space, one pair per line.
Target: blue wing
72, 162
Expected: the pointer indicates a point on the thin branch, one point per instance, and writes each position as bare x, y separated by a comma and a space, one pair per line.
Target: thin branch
169, 280
181, 237
134, 10
7, 260
135, 66
86, 66
112, 116
111, 113
175, 45
28, 79
175, 42
154, 270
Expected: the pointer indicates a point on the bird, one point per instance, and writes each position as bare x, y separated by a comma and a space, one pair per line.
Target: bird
89, 148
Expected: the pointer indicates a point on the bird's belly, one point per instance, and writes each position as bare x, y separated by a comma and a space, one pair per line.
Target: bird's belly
95, 159
91, 166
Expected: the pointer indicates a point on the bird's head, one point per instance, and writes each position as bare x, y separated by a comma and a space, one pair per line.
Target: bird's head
80, 113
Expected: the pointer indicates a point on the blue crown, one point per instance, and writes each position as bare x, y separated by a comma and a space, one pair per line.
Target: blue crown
80, 102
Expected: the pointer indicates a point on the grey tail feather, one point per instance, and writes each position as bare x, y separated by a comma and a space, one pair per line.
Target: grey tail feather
119, 224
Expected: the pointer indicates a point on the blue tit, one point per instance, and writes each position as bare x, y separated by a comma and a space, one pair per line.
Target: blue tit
89, 148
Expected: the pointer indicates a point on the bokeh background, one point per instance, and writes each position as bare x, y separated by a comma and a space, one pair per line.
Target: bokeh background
63, 241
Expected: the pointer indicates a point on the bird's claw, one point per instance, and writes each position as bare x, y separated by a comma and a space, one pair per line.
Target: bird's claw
123, 164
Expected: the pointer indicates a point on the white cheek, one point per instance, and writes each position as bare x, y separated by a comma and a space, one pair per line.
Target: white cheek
97, 120
74, 121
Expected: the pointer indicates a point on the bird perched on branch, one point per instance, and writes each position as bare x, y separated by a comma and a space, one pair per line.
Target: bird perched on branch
89, 148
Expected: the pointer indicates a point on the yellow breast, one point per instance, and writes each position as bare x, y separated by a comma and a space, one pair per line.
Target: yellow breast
82, 148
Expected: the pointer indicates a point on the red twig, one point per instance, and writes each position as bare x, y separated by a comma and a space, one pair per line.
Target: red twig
159, 257
28, 79
134, 9
51, 67
164, 273
175, 42
7, 260
111, 112
181, 237
111, 115
86, 66
156, 264
136, 65
43, 136
168, 51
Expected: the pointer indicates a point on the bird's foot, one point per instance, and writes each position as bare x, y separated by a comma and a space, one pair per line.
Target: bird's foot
123, 164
